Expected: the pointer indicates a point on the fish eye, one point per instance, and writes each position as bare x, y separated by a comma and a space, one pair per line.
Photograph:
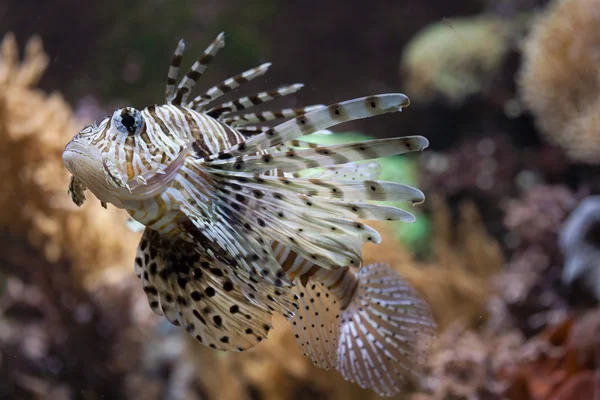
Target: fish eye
128, 121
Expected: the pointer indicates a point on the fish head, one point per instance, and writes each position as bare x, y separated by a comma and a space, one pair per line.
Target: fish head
118, 162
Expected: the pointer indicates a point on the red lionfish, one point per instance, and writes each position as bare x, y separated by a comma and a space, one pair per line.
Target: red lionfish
244, 220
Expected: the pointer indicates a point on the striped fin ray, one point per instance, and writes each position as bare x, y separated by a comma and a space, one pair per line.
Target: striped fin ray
316, 322
251, 101
202, 294
290, 159
349, 171
189, 80
249, 250
385, 332
253, 130
326, 208
174, 70
368, 190
315, 325
200, 102
241, 120
370, 325
248, 130
281, 209
317, 120
196, 292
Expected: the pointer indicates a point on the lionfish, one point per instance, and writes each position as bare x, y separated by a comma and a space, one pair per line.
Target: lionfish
244, 220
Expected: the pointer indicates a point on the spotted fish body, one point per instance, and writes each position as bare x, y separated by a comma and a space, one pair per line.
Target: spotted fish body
243, 221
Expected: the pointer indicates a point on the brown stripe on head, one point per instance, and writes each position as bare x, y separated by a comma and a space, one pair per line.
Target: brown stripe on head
232, 136
129, 152
102, 136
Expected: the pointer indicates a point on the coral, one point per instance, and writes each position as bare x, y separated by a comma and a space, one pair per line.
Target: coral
538, 216
454, 57
34, 128
467, 365
557, 364
562, 363
531, 286
559, 79
484, 169
57, 339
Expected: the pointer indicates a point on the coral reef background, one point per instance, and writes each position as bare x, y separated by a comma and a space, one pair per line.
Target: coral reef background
506, 92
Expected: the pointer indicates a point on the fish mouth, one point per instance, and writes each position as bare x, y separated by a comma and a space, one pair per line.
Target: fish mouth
80, 158
76, 153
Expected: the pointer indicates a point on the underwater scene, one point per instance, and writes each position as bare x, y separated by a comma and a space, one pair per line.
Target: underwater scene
278, 199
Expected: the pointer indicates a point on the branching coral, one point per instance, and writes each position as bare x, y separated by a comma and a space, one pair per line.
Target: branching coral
557, 364
560, 77
467, 365
57, 339
531, 285
34, 127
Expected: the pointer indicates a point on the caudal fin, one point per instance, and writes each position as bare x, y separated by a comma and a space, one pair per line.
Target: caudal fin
384, 333
370, 325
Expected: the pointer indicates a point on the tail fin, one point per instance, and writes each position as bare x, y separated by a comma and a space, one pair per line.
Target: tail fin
385, 331
370, 325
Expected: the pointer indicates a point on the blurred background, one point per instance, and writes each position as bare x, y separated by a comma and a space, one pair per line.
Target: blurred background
506, 248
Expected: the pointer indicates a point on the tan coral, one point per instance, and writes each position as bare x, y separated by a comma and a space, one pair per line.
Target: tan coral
560, 76
454, 57
34, 128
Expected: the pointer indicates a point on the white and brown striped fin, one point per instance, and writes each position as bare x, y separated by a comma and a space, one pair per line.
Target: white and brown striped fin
202, 294
370, 325
385, 332
189, 80
318, 120
249, 131
290, 159
316, 322
200, 102
251, 101
237, 121
283, 209
354, 171
174, 70
231, 228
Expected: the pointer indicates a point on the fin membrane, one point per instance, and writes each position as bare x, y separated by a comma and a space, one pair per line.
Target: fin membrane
200, 292
385, 332
291, 159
